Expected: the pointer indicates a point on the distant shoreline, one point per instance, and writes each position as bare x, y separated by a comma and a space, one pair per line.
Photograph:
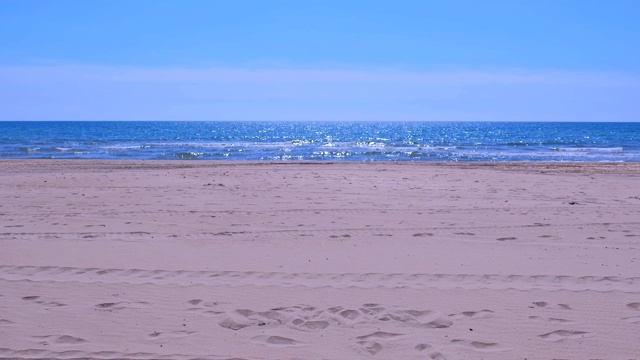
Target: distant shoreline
45, 165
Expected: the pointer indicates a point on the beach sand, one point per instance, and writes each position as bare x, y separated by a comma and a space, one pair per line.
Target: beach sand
181, 260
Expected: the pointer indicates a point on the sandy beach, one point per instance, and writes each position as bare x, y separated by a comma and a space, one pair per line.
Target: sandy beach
240, 260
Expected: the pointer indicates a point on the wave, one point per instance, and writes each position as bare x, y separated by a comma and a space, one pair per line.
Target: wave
124, 147
187, 155
323, 141
29, 150
590, 149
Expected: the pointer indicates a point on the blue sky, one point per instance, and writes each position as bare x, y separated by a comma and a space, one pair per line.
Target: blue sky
320, 60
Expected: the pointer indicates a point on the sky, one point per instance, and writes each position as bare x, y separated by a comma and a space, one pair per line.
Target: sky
347, 60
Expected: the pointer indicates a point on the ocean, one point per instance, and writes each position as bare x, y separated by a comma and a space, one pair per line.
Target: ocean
322, 141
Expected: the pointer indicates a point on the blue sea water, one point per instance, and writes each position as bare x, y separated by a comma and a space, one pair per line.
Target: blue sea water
322, 141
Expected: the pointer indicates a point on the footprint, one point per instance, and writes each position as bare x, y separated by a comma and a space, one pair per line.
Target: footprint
369, 344
242, 318
478, 345
68, 339
371, 305
565, 306
6, 322
484, 313
439, 322
422, 234
433, 320
370, 347
314, 325
350, 314
634, 305
275, 340
51, 303
378, 335
42, 302
174, 334
230, 324
63, 339
558, 320
507, 238
563, 334
434, 355
540, 303
111, 306
105, 305
426, 318
116, 306
423, 347
437, 356
201, 306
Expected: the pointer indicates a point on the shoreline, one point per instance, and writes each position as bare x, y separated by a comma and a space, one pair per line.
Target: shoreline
560, 166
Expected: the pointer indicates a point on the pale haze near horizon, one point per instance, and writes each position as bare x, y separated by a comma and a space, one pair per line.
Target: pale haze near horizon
334, 61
